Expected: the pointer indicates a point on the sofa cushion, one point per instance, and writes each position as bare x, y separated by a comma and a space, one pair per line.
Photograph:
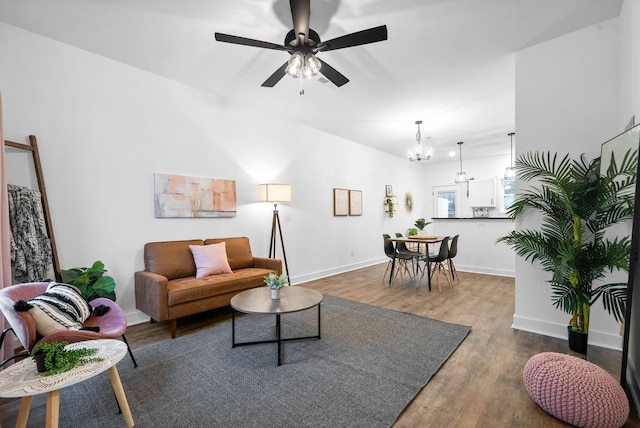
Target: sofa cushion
171, 259
210, 259
238, 251
185, 290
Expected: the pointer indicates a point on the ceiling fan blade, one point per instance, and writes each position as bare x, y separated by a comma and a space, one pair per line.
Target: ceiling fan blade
332, 74
275, 77
300, 12
372, 35
248, 42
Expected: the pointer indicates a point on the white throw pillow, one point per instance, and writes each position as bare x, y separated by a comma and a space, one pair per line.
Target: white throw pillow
210, 259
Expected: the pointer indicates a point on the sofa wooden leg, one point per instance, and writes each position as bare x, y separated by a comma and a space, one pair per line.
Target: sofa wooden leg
173, 326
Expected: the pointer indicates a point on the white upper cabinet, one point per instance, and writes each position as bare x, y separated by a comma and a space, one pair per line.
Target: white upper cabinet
482, 193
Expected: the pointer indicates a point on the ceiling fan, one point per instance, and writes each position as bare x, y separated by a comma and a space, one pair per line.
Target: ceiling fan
303, 43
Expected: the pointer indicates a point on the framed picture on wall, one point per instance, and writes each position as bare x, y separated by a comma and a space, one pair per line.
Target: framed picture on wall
340, 202
388, 190
355, 202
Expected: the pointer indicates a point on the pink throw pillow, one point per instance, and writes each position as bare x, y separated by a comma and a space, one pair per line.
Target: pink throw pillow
210, 259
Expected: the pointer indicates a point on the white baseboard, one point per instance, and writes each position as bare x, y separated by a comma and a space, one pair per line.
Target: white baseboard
486, 271
545, 328
335, 271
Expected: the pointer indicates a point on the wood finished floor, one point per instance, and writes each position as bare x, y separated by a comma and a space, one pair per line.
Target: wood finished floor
479, 386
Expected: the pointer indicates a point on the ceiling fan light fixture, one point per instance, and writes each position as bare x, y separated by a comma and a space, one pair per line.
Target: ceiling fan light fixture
311, 65
295, 64
303, 65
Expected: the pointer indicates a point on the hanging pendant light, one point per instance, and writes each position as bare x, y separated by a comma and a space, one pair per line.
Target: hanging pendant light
461, 176
510, 171
418, 152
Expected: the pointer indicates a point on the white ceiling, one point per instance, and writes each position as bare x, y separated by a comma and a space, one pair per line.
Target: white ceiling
449, 63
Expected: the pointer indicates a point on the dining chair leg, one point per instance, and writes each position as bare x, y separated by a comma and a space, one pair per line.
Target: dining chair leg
386, 270
447, 274
435, 268
421, 275
454, 271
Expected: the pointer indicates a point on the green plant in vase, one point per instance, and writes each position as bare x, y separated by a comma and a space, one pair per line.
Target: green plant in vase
275, 281
578, 205
91, 281
57, 359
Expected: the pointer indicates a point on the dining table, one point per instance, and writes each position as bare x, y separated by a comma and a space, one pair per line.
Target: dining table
416, 239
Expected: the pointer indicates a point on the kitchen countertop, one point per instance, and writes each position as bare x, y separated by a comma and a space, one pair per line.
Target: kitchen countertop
470, 218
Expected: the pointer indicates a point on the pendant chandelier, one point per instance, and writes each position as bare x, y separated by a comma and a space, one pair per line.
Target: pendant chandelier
510, 171
461, 176
419, 152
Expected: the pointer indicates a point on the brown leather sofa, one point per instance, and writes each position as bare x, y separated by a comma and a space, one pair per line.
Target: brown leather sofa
168, 289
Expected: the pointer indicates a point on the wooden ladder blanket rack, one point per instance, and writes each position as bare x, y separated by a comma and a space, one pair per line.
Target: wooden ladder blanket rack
33, 148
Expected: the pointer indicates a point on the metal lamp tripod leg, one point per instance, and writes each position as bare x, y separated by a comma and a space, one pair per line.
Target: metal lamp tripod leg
275, 225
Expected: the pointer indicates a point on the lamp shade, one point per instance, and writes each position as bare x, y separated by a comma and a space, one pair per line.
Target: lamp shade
274, 193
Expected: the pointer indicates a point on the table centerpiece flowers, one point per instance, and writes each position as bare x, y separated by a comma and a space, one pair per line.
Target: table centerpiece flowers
275, 283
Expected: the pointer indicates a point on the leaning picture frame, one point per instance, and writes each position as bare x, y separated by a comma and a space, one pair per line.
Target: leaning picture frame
340, 202
388, 190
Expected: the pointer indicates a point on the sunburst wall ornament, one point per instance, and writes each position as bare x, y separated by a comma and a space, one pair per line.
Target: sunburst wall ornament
408, 202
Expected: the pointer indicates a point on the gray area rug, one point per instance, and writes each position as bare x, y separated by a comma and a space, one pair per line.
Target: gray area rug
367, 367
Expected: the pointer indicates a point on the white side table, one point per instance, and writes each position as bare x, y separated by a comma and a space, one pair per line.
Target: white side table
23, 380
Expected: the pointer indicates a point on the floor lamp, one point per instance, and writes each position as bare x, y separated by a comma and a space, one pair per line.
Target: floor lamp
276, 193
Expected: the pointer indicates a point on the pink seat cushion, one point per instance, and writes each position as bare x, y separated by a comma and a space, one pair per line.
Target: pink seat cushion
112, 325
575, 391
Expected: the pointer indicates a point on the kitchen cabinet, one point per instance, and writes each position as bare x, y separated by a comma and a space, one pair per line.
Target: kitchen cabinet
482, 193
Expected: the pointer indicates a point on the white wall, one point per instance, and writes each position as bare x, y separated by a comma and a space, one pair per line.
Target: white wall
104, 128
567, 100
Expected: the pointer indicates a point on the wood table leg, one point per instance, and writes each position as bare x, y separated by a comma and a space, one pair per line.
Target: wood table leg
119, 391
53, 408
23, 412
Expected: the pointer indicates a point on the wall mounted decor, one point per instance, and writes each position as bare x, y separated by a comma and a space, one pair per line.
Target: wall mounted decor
340, 202
390, 205
355, 202
408, 202
177, 196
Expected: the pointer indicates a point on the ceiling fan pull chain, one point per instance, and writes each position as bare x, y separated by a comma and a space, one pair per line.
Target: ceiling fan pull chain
301, 86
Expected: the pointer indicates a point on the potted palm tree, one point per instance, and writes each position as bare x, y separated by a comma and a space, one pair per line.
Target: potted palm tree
579, 204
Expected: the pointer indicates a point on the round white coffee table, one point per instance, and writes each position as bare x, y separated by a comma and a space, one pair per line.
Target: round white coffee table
259, 301
23, 380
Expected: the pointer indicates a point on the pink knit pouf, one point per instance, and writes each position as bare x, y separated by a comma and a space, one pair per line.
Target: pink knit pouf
575, 391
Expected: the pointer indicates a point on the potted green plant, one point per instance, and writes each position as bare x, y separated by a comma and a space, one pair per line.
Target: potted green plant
275, 283
53, 358
412, 231
91, 281
421, 224
578, 205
